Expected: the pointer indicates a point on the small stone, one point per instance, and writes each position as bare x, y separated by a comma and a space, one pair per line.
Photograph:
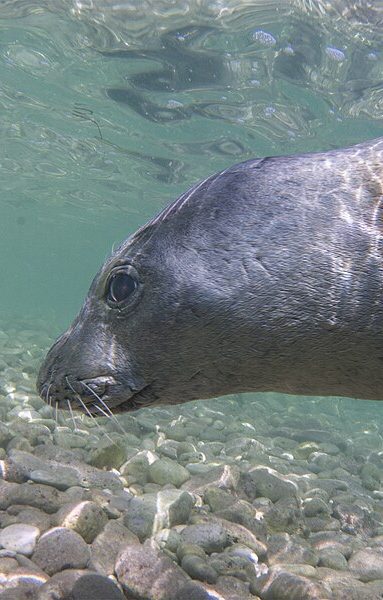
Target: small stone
367, 564
147, 573
333, 559
86, 518
197, 568
21, 584
93, 586
29, 516
344, 586
305, 449
39, 496
173, 507
152, 512
168, 539
165, 470
232, 588
8, 564
136, 468
243, 513
107, 546
281, 584
62, 468
314, 506
20, 538
108, 454
225, 477
271, 484
185, 549
211, 537
218, 499
243, 536
282, 547
60, 549
79, 585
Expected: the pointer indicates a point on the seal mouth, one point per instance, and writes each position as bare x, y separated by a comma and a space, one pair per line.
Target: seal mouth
102, 395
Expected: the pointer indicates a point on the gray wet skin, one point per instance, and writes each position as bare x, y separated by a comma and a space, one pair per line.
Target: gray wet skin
265, 277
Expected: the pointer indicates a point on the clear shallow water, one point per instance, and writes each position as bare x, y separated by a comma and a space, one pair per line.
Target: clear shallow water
108, 113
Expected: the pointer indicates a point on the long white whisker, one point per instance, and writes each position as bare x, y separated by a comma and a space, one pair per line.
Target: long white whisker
101, 411
109, 412
72, 415
93, 418
47, 397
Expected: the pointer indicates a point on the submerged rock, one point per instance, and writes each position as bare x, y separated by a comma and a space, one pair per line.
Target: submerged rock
149, 574
60, 549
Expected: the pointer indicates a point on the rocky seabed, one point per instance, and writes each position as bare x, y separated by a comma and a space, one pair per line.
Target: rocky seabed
269, 497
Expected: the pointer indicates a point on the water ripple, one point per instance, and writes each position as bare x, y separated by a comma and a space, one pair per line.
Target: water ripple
141, 92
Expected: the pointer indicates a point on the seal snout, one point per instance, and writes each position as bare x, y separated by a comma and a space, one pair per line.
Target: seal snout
78, 393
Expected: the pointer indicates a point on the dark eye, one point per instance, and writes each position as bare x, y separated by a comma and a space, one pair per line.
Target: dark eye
121, 286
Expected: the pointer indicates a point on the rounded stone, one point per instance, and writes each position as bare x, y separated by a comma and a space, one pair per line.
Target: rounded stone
211, 537
96, 587
333, 559
20, 538
315, 506
147, 573
108, 454
367, 564
185, 549
271, 484
76, 584
165, 471
86, 518
197, 568
60, 548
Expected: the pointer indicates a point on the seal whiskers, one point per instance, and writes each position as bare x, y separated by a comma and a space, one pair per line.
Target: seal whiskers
86, 409
75, 428
109, 414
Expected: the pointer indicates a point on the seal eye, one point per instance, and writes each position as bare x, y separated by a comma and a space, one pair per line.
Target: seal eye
121, 287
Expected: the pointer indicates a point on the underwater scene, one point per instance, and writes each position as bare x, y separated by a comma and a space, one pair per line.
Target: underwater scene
109, 112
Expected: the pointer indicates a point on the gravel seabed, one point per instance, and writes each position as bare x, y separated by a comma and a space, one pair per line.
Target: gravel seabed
260, 496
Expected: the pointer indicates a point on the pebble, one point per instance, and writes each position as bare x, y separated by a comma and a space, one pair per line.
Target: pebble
60, 548
282, 584
147, 573
315, 506
333, 559
108, 455
20, 538
79, 585
165, 470
197, 568
271, 484
367, 564
211, 537
108, 544
150, 513
86, 518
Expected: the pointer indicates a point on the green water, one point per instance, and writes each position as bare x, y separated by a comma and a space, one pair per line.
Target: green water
107, 115
108, 111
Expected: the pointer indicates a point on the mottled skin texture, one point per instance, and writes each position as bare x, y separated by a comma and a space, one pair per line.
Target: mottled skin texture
265, 277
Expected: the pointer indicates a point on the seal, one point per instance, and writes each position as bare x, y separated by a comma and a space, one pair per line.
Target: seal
267, 276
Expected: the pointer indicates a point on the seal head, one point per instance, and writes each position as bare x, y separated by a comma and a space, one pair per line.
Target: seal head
265, 277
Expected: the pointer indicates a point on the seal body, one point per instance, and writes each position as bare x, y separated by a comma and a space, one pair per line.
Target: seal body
267, 276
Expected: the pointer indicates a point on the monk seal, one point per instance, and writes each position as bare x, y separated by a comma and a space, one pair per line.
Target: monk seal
267, 276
